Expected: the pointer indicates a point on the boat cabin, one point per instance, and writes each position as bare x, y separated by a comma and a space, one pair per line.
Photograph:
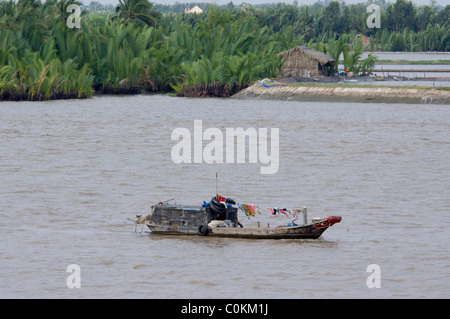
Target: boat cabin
193, 219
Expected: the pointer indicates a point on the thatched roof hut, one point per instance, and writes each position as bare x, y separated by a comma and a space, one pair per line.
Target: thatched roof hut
304, 62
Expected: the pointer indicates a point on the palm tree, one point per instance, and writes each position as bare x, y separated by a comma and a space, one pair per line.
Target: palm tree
137, 11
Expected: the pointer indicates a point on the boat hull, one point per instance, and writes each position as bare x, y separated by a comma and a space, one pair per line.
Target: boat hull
282, 232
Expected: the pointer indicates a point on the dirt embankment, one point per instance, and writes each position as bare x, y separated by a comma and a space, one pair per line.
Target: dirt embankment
273, 91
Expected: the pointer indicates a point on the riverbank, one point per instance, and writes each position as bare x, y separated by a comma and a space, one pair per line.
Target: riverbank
343, 93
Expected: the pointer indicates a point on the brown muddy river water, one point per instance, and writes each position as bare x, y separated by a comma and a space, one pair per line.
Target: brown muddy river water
73, 172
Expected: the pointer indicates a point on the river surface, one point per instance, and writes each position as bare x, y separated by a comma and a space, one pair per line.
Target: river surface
72, 173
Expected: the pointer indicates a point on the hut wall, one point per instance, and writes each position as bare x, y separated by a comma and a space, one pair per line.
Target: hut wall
298, 64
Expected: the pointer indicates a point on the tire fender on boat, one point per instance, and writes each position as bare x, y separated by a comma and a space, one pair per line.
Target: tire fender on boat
203, 230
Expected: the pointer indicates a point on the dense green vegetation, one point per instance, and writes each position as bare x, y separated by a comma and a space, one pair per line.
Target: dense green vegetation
140, 47
404, 26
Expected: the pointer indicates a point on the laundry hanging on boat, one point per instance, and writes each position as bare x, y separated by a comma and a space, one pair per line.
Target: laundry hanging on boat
249, 209
276, 210
285, 211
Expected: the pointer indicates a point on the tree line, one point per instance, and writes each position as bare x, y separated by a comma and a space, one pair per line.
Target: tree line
404, 25
137, 48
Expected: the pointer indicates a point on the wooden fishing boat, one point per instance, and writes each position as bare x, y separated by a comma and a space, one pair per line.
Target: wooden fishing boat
221, 219
308, 231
